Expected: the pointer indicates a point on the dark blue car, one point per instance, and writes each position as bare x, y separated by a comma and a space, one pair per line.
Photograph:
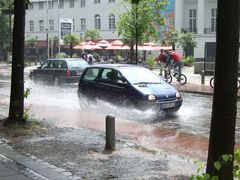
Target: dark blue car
126, 84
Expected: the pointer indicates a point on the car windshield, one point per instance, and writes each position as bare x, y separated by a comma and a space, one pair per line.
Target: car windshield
140, 75
77, 64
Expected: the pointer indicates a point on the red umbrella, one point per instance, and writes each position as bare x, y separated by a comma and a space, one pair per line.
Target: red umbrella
103, 43
117, 43
87, 45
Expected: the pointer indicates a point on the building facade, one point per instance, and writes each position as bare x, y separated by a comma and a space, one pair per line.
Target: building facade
43, 17
198, 17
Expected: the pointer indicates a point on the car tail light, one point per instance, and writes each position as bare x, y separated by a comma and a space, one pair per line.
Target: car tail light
68, 73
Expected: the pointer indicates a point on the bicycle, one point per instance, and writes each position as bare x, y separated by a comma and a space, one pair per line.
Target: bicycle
169, 74
211, 82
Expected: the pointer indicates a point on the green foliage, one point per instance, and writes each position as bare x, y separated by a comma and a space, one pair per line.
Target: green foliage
151, 62
138, 18
71, 39
75, 55
92, 34
96, 56
187, 40
189, 60
171, 37
61, 55
220, 164
119, 58
32, 41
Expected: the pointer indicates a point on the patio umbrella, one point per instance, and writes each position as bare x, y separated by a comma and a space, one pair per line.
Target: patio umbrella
103, 43
87, 45
115, 45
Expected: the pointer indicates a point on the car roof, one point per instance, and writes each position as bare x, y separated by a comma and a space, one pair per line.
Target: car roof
67, 59
115, 66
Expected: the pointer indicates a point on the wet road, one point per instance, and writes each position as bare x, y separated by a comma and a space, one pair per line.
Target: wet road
186, 131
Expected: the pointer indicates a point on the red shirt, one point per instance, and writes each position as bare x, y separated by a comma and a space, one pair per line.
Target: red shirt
160, 57
175, 56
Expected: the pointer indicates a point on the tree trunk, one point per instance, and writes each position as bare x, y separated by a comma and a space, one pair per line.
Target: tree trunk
16, 109
222, 133
71, 50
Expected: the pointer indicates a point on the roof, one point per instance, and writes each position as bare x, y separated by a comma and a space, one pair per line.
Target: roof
67, 59
116, 66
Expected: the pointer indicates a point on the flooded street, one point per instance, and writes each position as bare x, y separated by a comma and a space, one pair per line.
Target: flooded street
60, 106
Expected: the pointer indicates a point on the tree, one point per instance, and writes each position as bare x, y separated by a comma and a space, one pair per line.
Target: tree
140, 22
171, 38
32, 41
223, 121
92, 34
16, 109
72, 40
186, 40
6, 11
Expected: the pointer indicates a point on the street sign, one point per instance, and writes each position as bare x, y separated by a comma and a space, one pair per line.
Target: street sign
66, 26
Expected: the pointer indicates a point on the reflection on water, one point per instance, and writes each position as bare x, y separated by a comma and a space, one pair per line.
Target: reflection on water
193, 117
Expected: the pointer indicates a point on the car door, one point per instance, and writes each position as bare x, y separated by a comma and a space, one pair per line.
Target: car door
111, 86
42, 72
88, 85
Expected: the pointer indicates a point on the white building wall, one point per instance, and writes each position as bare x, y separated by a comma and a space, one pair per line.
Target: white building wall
201, 39
104, 9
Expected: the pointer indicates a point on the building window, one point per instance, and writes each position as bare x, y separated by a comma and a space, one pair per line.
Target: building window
50, 4
31, 26
193, 20
51, 25
97, 1
73, 24
41, 25
71, 3
111, 1
111, 21
97, 21
61, 4
82, 3
40, 5
30, 6
83, 24
213, 19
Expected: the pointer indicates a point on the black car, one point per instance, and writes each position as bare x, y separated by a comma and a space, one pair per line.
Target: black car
57, 71
127, 84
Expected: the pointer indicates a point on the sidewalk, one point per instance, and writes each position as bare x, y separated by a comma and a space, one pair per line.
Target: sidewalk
14, 165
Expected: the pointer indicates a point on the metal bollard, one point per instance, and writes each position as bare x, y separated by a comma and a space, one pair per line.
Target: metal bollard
203, 77
110, 133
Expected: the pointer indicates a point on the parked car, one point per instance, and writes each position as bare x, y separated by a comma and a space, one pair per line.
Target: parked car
127, 84
58, 71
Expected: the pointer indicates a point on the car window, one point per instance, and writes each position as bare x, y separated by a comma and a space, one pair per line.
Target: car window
62, 64
137, 75
77, 64
91, 74
111, 76
47, 64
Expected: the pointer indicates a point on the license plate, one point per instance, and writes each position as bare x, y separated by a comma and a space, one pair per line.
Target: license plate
168, 105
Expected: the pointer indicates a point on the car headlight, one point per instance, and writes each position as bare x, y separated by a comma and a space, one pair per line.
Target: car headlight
178, 95
151, 98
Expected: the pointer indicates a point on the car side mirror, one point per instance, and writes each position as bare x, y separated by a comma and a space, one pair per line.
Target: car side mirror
122, 83
39, 67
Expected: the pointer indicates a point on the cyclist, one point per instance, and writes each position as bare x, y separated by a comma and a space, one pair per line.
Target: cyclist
175, 58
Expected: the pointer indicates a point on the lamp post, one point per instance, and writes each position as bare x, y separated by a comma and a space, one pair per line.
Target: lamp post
47, 42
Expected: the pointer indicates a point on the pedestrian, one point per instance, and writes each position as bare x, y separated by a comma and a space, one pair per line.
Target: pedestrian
162, 60
90, 58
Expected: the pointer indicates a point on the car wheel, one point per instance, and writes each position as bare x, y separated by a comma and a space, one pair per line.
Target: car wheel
56, 81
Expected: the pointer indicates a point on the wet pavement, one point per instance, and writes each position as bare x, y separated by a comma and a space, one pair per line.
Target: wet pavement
140, 144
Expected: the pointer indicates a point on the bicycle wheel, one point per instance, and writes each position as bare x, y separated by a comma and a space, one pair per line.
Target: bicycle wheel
212, 82
182, 79
168, 78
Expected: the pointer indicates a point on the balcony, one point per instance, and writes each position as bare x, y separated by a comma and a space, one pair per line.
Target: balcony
190, 30
209, 31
